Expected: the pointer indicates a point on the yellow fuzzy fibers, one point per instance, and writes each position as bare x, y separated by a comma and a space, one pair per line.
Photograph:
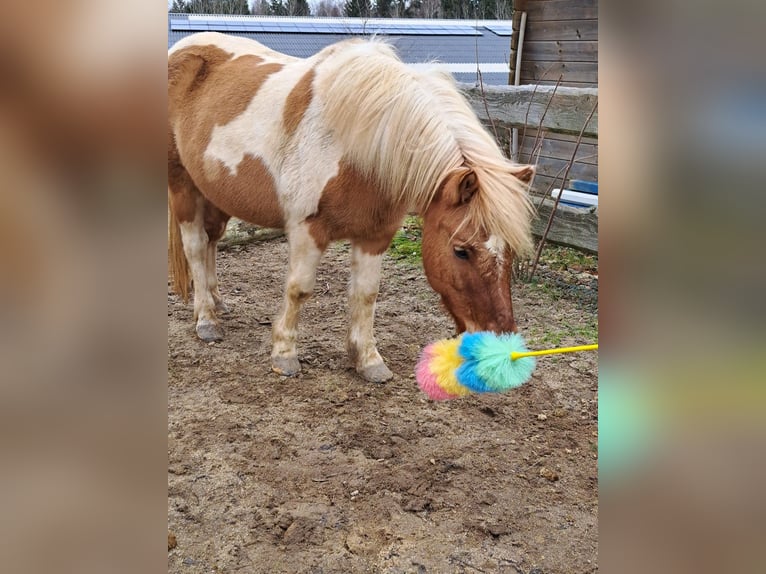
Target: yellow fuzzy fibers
444, 365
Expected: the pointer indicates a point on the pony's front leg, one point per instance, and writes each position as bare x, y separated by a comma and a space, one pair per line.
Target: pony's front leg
304, 258
363, 291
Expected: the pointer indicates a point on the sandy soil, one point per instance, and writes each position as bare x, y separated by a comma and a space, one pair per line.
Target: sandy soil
325, 473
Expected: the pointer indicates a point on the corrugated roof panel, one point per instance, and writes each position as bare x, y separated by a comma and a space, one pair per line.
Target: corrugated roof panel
500, 29
412, 43
345, 26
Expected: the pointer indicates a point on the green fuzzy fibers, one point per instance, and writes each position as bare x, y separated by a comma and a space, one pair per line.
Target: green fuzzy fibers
488, 366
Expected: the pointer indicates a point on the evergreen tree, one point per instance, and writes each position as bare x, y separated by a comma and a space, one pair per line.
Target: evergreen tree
211, 6
276, 8
383, 8
260, 7
357, 8
298, 8
328, 8
414, 9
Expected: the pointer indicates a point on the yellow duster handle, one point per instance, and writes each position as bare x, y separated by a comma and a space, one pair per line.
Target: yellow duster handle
515, 356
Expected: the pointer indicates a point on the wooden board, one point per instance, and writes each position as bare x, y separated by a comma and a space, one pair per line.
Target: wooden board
532, 71
532, 133
571, 227
561, 30
543, 184
538, 10
559, 50
557, 167
558, 149
515, 105
567, 84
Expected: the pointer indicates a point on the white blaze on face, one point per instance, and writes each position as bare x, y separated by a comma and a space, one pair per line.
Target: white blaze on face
496, 247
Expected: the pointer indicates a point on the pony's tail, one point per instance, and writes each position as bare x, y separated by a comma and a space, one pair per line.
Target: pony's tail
178, 266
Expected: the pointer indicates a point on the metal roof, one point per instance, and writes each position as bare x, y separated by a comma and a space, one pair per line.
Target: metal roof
454, 44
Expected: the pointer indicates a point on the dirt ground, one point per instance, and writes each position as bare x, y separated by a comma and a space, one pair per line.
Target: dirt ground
325, 473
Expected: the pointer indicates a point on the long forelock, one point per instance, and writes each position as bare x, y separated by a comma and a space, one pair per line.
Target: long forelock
503, 207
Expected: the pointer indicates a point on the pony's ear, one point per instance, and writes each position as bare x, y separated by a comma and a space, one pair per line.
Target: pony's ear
468, 186
525, 173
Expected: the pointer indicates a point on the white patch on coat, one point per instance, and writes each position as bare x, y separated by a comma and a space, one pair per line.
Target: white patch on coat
496, 247
302, 164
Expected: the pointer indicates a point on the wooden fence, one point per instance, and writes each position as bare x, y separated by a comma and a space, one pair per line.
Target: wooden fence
564, 111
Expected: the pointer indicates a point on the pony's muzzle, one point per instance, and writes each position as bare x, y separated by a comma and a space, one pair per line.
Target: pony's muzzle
502, 325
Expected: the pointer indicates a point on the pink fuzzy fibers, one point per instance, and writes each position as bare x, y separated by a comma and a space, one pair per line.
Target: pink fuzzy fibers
427, 380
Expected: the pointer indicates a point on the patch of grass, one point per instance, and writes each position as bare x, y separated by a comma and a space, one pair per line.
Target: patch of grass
560, 258
587, 333
406, 244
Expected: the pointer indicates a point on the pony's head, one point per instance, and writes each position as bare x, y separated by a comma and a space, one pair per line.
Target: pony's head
467, 264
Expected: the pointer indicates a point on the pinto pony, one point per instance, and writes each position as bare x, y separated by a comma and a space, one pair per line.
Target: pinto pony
341, 145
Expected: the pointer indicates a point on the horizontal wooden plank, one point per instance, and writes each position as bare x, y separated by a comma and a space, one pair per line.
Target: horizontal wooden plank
561, 30
558, 149
532, 133
571, 227
571, 71
564, 51
561, 10
513, 105
564, 84
557, 167
543, 184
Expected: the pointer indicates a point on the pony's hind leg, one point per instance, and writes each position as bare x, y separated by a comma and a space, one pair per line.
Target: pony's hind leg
363, 292
215, 226
187, 206
190, 225
301, 276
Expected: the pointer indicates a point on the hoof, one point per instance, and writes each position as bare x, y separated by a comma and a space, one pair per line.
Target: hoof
209, 331
285, 366
377, 373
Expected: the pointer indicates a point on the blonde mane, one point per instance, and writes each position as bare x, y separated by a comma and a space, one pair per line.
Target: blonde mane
411, 129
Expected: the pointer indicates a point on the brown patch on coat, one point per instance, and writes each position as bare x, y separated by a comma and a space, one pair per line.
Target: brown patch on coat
210, 74
249, 194
182, 193
352, 206
297, 103
214, 221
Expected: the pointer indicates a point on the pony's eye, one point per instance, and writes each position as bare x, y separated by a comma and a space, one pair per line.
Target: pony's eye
460, 252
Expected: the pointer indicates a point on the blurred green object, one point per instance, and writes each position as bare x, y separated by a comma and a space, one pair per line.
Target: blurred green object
626, 423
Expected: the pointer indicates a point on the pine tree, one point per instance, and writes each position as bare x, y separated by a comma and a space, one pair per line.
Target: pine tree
211, 6
328, 8
260, 7
357, 8
383, 8
298, 8
276, 8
